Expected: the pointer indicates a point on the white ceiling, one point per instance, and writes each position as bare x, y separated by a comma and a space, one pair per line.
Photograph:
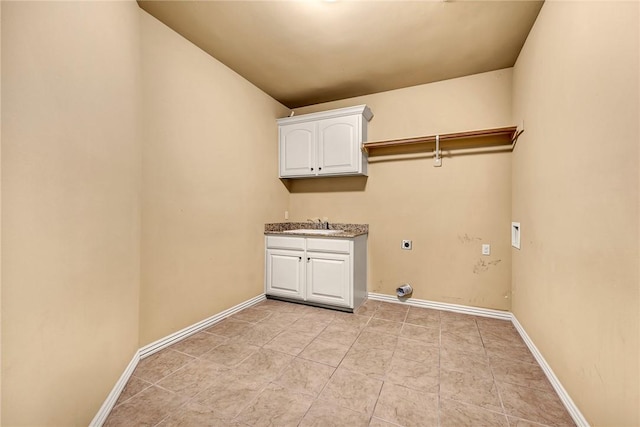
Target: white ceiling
309, 51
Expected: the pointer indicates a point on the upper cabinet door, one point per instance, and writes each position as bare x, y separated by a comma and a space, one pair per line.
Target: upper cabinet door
298, 149
339, 143
324, 143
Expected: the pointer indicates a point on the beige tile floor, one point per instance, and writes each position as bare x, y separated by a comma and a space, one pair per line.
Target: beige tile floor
282, 364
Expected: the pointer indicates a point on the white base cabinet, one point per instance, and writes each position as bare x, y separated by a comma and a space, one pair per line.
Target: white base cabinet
320, 271
329, 278
285, 273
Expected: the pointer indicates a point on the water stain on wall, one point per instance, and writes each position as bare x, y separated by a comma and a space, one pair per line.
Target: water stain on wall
468, 239
483, 266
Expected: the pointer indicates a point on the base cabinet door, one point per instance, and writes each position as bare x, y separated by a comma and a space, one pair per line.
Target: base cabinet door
285, 273
329, 278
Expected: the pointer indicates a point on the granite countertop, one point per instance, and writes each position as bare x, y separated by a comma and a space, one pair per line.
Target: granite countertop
342, 230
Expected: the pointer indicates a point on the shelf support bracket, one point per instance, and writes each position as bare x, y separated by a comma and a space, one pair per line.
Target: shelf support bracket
437, 160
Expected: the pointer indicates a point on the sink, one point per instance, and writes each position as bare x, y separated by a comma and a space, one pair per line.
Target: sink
313, 231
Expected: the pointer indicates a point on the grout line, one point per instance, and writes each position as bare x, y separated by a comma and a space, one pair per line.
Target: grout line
361, 329
482, 408
493, 376
168, 415
386, 421
377, 400
250, 402
406, 315
175, 410
132, 396
309, 408
495, 384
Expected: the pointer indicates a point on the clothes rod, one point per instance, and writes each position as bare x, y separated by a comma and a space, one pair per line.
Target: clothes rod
510, 132
443, 153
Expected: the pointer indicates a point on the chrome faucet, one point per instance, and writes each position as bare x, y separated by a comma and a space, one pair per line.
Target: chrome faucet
324, 224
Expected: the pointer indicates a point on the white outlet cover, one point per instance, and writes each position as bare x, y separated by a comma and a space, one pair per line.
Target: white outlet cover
486, 249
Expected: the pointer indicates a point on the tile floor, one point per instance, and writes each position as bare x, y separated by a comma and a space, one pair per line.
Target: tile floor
282, 364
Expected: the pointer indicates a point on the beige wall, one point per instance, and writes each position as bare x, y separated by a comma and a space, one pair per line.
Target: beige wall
70, 206
210, 168
121, 225
575, 192
0, 218
448, 212
101, 101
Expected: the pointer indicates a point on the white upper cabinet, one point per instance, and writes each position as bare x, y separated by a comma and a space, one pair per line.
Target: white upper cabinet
339, 146
324, 144
297, 149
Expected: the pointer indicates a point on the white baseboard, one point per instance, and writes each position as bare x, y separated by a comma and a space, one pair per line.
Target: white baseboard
573, 410
161, 344
475, 311
575, 413
165, 342
112, 398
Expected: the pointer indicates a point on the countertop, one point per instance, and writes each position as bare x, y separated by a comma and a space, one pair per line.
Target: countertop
345, 230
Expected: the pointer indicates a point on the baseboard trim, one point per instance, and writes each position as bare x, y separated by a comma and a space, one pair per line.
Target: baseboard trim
573, 410
456, 308
158, 345
165, 342
575, 413
112, 398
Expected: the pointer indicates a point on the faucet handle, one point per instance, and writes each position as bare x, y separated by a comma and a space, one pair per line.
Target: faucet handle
325, 222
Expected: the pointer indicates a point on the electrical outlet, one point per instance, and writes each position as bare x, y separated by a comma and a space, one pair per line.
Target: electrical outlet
407, 245
486, 249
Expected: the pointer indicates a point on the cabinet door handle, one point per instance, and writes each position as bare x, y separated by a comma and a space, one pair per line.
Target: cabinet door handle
299, 258
308, 259
311, 168
319, 169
